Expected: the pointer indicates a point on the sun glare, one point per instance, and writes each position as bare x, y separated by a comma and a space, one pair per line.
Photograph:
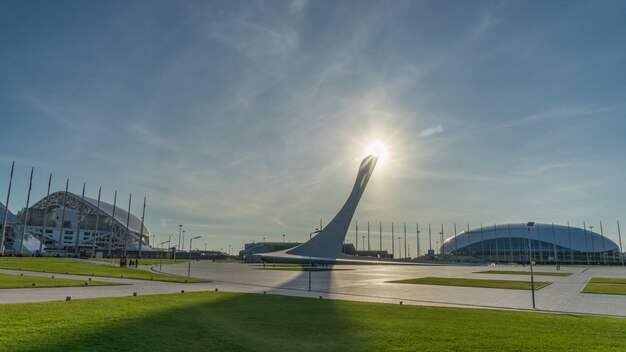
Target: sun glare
378, 149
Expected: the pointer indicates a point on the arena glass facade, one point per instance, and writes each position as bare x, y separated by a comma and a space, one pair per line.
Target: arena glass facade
549, 243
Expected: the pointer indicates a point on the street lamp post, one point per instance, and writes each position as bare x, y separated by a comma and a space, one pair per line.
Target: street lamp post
169, 238
283, 238
180, 232
189, 268
593, 247
161, 254
530, 260
310, 261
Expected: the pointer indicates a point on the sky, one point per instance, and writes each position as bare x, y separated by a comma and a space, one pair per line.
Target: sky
245, 120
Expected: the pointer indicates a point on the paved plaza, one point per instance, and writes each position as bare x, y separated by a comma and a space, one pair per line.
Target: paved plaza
358, 283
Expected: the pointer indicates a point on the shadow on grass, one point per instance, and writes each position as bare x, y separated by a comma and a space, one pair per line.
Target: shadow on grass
216, 321
199, 321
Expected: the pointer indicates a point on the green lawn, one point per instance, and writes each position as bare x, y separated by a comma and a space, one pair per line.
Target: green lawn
300, 268
611, 289
297, 267
449, 281
607, 280
217, 321
611, 286
17, 281
142, 261
79, 267
518, 272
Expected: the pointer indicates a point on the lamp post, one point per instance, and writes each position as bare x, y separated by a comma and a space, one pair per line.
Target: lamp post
161, 254
283, 238
417, 235
180, 232
619, 233
169, 238
437, 244
189, 267
593, 247
310, 261
530, 260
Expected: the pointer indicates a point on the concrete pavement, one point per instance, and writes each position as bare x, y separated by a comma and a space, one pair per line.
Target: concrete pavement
359, 283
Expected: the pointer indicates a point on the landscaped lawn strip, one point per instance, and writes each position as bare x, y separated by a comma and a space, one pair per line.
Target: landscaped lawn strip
611, 289
606, 285
17, 281
608, 280
78, 267
450, 281
518, 272
141, 261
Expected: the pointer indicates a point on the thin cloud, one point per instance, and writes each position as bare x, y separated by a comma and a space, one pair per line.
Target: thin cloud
432, 131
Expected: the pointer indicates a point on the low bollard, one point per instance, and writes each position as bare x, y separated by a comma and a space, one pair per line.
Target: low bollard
216, 289
134, 294
34, 284
400, 302
21, 274
182, 291
320, 297
68, 298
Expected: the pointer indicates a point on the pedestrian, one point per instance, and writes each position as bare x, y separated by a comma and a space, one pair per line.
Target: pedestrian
136, 262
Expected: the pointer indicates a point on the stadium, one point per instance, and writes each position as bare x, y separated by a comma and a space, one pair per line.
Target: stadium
549, 243
64, 223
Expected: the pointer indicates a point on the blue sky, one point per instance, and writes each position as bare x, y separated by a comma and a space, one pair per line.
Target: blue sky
244, 119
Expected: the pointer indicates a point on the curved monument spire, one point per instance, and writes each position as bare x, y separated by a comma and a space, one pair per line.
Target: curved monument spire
329, 241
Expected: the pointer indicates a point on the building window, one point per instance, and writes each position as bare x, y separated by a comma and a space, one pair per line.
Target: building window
48, 231
69, 232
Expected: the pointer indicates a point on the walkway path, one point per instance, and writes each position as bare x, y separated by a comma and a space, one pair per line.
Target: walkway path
360, 283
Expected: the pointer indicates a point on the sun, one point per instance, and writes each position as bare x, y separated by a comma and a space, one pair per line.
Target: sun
378, 149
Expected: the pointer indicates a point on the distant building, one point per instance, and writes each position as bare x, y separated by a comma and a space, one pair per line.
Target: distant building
264, 247
374, 254
71, 222
13, 232
548, 244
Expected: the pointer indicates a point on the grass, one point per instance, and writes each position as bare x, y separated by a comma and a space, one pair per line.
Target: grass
607, 280
142, 261
300, 268
605, 285
449, 281
78, 267
517, 272
611, 289
17, 281
297, 267
218, 321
